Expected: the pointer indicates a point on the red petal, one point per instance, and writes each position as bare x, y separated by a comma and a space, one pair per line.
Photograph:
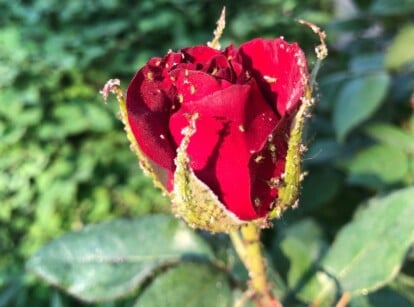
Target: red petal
194, 85
199, 54
172, 59
230, 52
279, 68
149, 108
233, 123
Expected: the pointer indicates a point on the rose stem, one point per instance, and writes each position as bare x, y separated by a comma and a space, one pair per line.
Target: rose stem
344, 300
248, 246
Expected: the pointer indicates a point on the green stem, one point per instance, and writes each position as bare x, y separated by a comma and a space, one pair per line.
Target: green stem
248, 246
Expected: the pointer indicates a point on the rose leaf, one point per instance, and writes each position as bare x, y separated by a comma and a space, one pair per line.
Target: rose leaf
192, 284
358, 99
377, 165
303, 244
369, 251
391, 135
401, 52
105, 261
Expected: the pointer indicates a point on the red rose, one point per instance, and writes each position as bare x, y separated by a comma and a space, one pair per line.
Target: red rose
245, 99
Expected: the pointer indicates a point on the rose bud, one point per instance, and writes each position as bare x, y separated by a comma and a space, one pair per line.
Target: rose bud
213, 128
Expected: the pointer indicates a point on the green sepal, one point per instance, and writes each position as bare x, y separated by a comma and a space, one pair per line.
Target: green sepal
158, 174
193, 200
288, 192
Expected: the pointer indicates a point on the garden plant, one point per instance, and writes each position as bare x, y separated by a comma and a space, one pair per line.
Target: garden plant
247, 167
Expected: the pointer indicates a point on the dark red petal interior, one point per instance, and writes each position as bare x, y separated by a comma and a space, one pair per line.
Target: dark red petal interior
199, 54
194, 85
267, 167
149, 110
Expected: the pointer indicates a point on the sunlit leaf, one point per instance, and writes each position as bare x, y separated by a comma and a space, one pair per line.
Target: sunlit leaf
391, 135
400, 51
303, 245
379, 163
369, 251
105, 261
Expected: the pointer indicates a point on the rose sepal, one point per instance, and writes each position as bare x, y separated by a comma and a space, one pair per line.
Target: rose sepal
158, 175
193, 201
288, 193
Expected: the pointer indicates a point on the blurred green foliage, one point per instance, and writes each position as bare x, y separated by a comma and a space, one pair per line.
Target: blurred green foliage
65, 162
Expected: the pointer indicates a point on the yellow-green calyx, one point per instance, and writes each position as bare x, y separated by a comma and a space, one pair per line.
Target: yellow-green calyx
192, 199
288, 192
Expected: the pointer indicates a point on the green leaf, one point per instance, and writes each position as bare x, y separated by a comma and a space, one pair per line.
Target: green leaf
367, 62
410, 176
357, 101
319, 187
401, 51
383, 298
190, 284
12, 55
387, 7
404, 284
8, 293
105, 261
378, 164
391, 135
303, 245
322, 151
12, 104
329, 86
368, 252
79, 117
